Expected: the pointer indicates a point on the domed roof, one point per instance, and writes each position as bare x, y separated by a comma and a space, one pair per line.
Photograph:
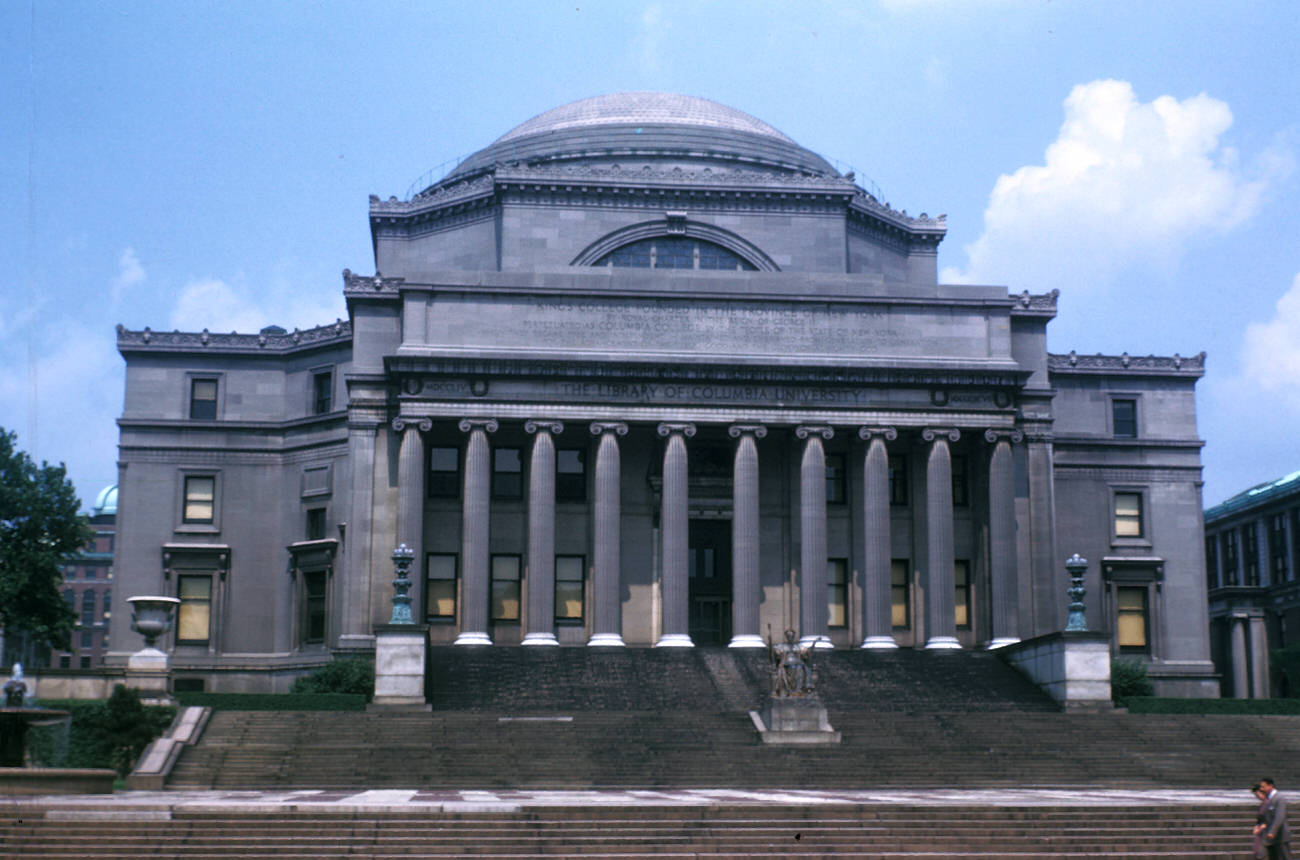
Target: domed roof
106, 501
643, 109
645, 126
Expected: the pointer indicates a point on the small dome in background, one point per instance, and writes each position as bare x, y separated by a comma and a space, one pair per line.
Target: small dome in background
106, 501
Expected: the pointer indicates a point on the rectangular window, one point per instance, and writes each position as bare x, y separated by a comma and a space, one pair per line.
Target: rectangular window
1211, 562
571, 475
444, 473
837, 587
88, 572
203, 399
1278, 567
87, 639
569, 588
200, 491
440, 587
322, 392
194, 619
108, 604
835, 479
507, 474
85, 662
313, 607
1128, 515
898, 480
65, 662
1295, 545
1131, 618
505, 588
961, 594
900, 593
1250, 549
87, 608
315, 524
1124, 422
1231, 573
960, 482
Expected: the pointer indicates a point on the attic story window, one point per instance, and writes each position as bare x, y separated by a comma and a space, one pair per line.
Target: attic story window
674, 252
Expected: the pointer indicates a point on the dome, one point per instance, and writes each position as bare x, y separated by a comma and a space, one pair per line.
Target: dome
645, 126
106, 501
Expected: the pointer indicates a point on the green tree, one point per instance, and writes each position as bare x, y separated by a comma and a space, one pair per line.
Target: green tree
39, 529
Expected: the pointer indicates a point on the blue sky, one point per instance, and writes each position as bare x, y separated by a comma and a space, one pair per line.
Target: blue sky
208, 164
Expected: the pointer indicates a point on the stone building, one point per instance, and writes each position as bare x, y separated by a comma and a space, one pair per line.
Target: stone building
1252, 553
646, 372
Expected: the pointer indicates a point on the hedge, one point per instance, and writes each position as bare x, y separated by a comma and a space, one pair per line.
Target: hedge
109, 733
1157, 705
275, 701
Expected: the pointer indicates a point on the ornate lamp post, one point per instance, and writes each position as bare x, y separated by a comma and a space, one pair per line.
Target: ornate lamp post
402, 558
1077, 567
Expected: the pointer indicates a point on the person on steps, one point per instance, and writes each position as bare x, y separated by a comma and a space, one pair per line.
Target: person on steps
1275, 833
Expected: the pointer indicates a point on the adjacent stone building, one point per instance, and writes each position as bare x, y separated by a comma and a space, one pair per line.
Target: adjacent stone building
646, 372
1252, 553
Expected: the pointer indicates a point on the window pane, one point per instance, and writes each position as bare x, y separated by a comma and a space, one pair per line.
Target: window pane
505, 588
835, 478
1124, 413
444, 473
570, 475
899, 593
199, 492
1128, 515
569, 576
203, 399
898, 480
960, 485
195, 593
961, 593
507, 474
440, 586
322, 392
314, 607
1131, 620
837, 591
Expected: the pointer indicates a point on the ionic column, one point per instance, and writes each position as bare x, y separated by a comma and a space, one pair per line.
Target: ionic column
540, 577
1240, 650
475, 510
355, 608
1003, 575
814, 609
410, 491
606, 620
941, 625
746, 593
674, 524
877, 598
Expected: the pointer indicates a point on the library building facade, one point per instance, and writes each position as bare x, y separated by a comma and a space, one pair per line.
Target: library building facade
644, 372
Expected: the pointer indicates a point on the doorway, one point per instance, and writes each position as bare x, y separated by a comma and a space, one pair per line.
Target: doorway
710, 582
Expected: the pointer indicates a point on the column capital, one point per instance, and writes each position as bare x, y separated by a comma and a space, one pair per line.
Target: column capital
402, 422
930, 434
803, 431
600, 427
532, 425
867, 433
735, 431
995, 435
488, 425
667, 428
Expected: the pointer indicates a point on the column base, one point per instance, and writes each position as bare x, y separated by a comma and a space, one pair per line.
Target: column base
539, 639
1003, 641
819, 643
606, 640
879, 643
675, 640
943, 643
468, 638
748, 640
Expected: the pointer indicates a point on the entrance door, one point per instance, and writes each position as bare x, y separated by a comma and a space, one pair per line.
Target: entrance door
710, 582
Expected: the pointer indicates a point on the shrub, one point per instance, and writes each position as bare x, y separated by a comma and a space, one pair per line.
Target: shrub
1286, 670
110, 733
1128, 678
348, 675
1153, 705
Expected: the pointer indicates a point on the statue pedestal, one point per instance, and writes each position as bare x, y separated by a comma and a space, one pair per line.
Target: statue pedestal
399, 665
794, 720
148, 671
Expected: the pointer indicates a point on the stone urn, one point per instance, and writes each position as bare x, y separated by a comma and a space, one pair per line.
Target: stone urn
151, 616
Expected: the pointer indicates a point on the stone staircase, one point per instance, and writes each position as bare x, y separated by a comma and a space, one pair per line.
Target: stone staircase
851, 831
580, 719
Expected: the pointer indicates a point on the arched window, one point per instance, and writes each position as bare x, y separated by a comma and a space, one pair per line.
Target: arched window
674, 252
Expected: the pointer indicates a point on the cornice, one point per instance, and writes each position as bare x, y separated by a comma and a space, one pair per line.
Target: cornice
367, 286
334, 334
1097, 442
1029, 305
692, 371
1191, 367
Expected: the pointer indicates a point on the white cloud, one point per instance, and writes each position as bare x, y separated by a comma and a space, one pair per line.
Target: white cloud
129, 274
1124, 181
237, 305
649, 39
1271, 350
